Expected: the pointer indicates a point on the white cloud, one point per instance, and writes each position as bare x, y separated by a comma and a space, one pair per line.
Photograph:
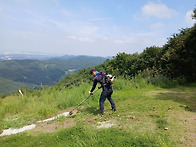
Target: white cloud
71, 37
87, 30
188, 18
85, 39
119, 41
157, 25
74, 38
157, 10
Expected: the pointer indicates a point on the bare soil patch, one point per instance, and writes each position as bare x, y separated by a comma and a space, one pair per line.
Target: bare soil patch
53, 126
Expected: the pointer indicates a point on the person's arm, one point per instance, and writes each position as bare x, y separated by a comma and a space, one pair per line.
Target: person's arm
94, 85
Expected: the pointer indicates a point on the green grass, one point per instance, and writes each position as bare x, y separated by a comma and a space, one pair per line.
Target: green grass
147, 115
83, 136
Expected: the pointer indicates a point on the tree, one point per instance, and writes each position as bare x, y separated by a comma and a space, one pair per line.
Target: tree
179, 55
123, 64
150, 58
194, 14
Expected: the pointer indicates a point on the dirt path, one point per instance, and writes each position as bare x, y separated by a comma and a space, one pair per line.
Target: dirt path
12, 131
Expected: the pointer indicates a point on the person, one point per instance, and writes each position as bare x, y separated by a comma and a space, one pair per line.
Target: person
107, 90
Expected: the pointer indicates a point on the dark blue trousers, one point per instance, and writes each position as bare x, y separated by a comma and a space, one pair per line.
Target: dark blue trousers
106, 93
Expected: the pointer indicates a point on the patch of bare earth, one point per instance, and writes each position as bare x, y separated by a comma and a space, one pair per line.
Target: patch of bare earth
190, 134
50, 127
90, 121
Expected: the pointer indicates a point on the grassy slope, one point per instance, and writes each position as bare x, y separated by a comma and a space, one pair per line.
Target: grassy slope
9, 86
144, 111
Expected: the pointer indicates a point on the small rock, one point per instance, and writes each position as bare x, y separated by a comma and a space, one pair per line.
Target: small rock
132, 117
153, 108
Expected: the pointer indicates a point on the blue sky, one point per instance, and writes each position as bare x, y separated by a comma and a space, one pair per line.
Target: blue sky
90, 27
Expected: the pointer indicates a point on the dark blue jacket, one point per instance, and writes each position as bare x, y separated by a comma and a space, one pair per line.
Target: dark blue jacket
99, 79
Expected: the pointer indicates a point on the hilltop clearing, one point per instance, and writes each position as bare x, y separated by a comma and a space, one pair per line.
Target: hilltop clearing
146, 116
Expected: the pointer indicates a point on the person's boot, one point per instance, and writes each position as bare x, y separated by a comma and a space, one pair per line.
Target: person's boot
114, 108
101, 113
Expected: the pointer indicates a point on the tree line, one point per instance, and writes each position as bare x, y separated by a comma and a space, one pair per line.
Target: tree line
175, 59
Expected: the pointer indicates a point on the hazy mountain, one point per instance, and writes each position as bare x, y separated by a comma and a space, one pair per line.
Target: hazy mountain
24, 56
42, 72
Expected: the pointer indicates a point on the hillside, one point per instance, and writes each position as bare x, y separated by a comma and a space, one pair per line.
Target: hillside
41, 72
8, 86
147, 115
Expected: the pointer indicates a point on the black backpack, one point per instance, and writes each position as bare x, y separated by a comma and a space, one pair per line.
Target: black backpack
107, 79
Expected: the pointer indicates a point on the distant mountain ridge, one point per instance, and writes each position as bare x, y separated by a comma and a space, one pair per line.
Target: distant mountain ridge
24, 56
43, 71
39, 56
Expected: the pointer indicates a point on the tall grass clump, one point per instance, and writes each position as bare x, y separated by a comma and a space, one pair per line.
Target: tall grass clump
139, 81
162, 81
121, 83
130, 82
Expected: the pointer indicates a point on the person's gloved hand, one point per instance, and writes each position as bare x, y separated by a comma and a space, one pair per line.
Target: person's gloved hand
91, 94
